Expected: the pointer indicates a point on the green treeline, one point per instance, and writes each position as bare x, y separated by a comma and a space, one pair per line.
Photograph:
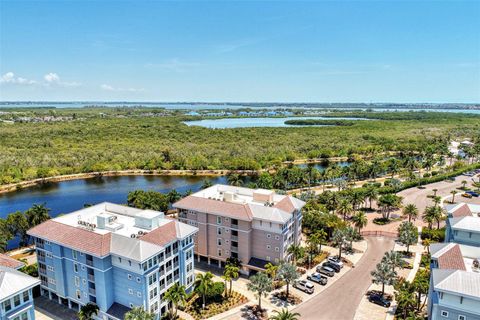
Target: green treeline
131, 140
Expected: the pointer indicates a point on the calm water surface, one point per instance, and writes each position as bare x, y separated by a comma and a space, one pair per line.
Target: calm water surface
254, 122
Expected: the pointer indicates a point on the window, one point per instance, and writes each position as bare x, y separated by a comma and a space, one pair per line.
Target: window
119, 259
130, 291
7, 305
131, 305
129, 276
26, 296
48, 242
219, 231
444, 313
16, 300
277, 238
277, 249
74, 254
50, 268
219, 241
461, 300
48, 255
84, 281
219, 252
139, 294
269, 246
77, 281
83, 268
139, 280
24, 316
269, 235
462, 317
219, 220
75, 267
52, 281
78, 294
267, 258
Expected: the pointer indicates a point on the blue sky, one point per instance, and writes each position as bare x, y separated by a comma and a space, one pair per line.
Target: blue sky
314, 51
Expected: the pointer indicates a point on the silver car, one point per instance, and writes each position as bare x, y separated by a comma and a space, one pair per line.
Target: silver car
304, 285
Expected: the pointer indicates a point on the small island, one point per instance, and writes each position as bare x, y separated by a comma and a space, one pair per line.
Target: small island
319, 122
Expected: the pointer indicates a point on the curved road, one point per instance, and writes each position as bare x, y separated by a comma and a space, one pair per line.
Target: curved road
340, 301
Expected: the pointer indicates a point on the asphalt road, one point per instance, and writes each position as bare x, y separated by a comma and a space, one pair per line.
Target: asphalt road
340, 301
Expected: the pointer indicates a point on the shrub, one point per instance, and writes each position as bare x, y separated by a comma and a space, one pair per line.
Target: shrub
381, 221
437, 235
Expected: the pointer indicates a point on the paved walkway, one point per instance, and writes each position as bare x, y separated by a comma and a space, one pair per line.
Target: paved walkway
340, 301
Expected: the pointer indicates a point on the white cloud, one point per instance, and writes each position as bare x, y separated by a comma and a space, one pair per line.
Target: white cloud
108, 87
54, 79
10, 77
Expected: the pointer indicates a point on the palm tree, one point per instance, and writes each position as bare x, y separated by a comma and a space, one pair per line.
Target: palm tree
383, 274
88, 311
287, 272
271, 270
231, 272
37, 214
393, 258
345, 208
339, 237
464, 184
284, 314
435, 192
360, 220
436, 200
388, 202
138, 313
297, 252
410, 211
260, 284
453, 192
426, 244
234, 179
372, 194
177, 295
432, 214
203, 284
357, 199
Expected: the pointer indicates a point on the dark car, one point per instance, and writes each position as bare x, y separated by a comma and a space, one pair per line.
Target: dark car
318, 278
473, 193
326, 271
334, 266
379, 299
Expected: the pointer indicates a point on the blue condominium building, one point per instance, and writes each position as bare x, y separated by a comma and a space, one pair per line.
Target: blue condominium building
114, 256
16, 299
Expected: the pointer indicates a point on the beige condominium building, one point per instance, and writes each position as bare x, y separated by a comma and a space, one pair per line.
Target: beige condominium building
254, 225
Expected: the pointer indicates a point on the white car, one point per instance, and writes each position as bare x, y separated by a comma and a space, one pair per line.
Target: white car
335, 261
304, 285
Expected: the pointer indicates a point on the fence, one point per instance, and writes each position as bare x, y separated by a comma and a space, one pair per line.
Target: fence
379, 233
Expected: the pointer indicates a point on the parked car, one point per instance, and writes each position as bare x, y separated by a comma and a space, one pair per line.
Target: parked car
304, 285
473, 193
329, 264
318, 278
379, 299
467, 195
336, 261
326, 271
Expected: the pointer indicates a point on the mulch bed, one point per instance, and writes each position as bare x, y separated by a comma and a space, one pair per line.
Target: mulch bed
292, 299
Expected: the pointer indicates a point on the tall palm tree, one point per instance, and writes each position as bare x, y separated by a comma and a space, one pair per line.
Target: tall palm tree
345, 208
287, 272
88, 311
260, 284
203, 284
453, 192
393, 258
231, 272
360, 220
284, 314
138, 313
372, 194
177, 295
410, 211
297, 252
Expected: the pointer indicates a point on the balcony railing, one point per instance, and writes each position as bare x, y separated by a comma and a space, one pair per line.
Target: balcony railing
234, 238
92, 291
89, 262
41, 258
234, 249
40, 245
91, 277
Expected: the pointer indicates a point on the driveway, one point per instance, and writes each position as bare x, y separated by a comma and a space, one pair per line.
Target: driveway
340, 301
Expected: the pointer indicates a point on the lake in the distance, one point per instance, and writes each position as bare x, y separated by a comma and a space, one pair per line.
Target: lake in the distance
255, 122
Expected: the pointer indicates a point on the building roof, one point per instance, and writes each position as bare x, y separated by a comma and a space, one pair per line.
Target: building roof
469, 223
6, 261
458, 282
242, 203
460, 210
448, 256
73, 237
113, 229
118, 310
13, 281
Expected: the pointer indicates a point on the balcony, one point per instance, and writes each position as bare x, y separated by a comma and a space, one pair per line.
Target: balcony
234, 249
234, 238
92, 291
91, 277
89, 262
41, 258
168, 269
